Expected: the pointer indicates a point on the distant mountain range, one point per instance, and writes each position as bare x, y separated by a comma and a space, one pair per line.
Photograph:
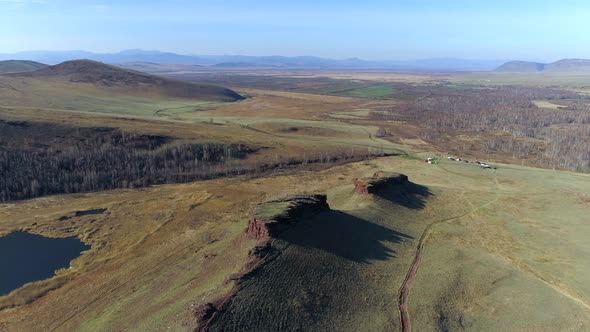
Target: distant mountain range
564, 65
156, 61
236, 61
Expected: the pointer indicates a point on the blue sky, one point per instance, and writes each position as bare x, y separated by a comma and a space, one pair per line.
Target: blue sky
371, 29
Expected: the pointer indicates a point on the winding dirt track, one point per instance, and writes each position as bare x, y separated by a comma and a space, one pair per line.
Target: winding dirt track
404, 290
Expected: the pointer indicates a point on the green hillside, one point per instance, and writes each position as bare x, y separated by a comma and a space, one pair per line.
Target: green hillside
19, 66
128, 81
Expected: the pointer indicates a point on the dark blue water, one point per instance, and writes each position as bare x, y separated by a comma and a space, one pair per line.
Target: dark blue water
26, 257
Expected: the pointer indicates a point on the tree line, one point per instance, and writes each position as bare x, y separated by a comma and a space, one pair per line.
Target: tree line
27, 174
505, 120
98, 159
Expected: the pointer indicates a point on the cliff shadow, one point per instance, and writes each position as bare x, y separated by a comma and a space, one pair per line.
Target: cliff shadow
410, 195
344, 235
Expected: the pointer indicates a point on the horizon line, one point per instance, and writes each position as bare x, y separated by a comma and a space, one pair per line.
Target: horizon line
442, 57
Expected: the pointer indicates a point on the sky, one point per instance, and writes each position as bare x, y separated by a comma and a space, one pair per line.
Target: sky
370, 29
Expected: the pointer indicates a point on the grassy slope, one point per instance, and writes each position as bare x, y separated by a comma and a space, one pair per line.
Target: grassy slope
18, 66
253, 115
86, 86
518, 263
252, 120
120, 80
30, 93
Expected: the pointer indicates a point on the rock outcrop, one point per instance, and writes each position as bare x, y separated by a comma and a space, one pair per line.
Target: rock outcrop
268, 220
379, 180
272, 217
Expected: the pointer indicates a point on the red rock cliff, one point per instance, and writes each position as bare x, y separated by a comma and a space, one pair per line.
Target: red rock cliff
378, 180
272, 217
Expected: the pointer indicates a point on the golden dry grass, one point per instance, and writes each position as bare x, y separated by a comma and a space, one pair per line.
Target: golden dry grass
279, 104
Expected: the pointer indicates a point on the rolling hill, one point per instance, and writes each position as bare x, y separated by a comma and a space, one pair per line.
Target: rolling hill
569, 65
564, 65
128, 81
18, 66
521, 66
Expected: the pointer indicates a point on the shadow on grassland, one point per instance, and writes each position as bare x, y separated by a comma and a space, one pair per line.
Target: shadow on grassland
345, 235
319, 276
410, 195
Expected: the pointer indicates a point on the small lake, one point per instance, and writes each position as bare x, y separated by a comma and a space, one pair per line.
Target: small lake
26, 257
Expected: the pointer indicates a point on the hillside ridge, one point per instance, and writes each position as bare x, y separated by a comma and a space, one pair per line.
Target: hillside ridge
563, 65
17, 66
97, 73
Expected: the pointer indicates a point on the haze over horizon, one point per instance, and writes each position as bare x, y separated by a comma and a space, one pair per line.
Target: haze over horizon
374, 30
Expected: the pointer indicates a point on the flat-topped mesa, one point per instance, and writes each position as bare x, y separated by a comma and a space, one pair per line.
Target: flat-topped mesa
268, 220
379, 180
272, 217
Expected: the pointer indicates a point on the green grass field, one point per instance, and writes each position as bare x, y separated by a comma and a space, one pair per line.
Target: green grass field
516, 262
377, 91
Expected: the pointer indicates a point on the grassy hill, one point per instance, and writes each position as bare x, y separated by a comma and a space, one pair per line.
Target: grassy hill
89, 86
103, 75
521, 66
564, 65
569, 65
18, 66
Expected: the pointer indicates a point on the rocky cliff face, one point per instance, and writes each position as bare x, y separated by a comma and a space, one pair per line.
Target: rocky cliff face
378, 180
272, 217
268, 220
